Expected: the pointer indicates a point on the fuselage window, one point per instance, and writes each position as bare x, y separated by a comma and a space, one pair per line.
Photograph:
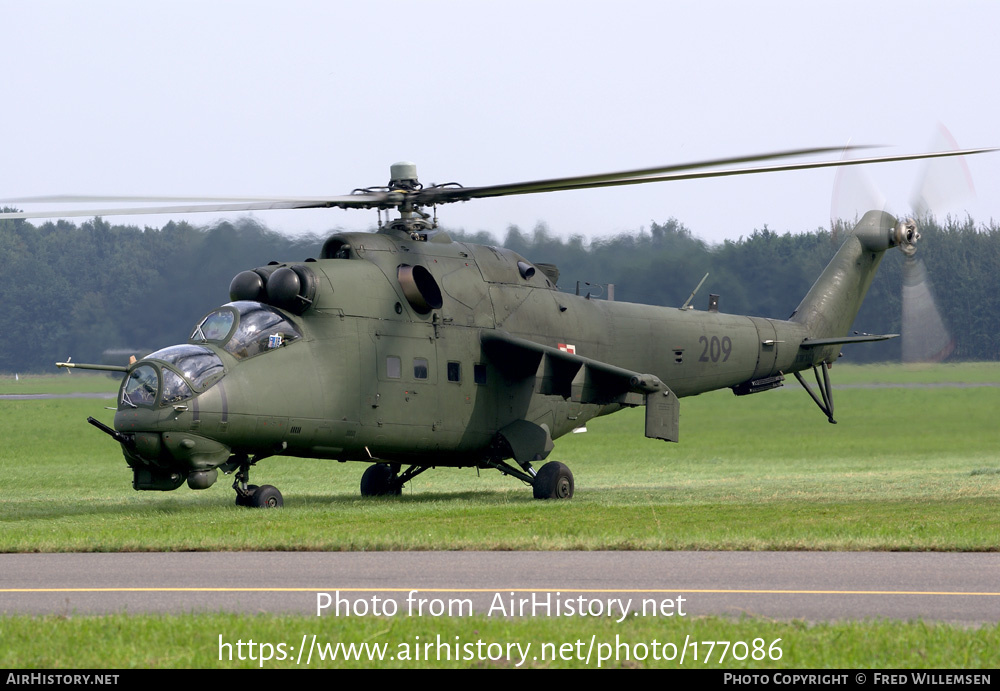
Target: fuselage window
419, 368
454, 371
479, 373
393, 367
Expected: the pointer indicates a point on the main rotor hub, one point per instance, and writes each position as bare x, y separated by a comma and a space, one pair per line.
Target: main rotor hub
403, 175
411, 221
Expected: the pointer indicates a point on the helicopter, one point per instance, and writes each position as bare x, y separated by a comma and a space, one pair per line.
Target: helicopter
408, 350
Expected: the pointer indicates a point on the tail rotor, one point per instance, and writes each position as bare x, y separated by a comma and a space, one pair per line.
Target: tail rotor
924, 336
944, 183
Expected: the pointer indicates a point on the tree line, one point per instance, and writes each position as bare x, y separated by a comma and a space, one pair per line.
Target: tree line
79, 289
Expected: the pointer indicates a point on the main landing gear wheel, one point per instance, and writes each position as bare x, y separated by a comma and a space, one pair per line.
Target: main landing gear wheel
553, 481
380, 481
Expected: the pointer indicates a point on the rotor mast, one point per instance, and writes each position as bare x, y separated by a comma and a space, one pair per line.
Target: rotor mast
403, 181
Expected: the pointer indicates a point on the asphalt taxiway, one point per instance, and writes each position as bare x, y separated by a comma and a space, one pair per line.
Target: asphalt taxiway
961, 588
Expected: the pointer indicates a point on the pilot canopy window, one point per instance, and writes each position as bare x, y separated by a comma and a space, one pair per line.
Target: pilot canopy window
197, 363
215, 327
141, 387
258, 329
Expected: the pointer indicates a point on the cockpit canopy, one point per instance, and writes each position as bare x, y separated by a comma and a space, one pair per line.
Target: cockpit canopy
188, 368
245, 329
171, 375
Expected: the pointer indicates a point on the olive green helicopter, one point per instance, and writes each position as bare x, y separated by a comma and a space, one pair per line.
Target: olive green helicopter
404, 348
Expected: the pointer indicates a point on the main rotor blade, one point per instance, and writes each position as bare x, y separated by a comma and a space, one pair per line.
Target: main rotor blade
446, 195
360, 200
357, 201
103, 198
449, 194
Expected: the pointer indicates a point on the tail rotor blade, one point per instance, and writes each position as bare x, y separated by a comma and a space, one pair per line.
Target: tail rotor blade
925, 338
854, 194
924, 335
944, 182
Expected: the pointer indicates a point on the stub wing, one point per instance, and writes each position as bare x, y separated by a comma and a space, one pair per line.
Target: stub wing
557, 372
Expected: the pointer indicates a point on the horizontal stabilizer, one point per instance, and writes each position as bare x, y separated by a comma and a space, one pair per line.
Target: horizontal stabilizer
843, 340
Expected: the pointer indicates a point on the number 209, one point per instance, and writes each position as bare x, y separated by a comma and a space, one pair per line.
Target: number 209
715, 348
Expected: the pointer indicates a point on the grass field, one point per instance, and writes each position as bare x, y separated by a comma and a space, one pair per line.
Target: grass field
905, 469
914, 468
122, 642
61, 383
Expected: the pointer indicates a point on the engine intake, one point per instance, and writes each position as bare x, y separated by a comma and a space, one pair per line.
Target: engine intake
292, 288
419, 287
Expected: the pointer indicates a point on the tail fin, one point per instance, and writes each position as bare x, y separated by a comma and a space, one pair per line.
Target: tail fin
830, 306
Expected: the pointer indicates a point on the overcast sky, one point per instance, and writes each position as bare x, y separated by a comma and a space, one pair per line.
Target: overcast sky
318, 97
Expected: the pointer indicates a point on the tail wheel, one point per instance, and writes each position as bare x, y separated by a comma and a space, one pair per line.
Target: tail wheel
553, 481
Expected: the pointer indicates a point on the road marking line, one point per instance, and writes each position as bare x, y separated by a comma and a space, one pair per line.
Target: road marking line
701, 591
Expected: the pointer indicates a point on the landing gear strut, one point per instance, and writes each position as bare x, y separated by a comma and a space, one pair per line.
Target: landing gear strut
384, 480
262, 497
553, 481
825, 390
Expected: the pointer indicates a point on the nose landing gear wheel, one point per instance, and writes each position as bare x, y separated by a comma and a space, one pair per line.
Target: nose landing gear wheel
266, 497
553, 481
263, 497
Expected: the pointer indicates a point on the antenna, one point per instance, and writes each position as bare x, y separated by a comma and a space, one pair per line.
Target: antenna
687, 304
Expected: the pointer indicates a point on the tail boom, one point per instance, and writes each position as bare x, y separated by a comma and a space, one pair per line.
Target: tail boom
831, 305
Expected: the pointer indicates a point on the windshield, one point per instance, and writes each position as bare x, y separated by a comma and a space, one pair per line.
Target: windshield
215, 327
175, 389
245, 329
199, 364
141, 387
260, 329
